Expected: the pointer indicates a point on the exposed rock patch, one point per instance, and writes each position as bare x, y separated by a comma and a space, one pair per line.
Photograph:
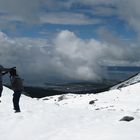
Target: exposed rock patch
127, 118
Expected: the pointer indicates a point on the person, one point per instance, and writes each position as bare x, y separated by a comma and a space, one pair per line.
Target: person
17, 86
3, 71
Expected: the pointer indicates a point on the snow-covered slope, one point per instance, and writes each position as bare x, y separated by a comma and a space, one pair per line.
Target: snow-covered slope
71, 117
132, 80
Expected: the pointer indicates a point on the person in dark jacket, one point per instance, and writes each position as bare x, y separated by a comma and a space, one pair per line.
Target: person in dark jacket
17, 86
3, 71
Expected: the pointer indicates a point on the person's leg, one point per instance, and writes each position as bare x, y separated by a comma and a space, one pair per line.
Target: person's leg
1, 89
16, 97
0, 94
1, 85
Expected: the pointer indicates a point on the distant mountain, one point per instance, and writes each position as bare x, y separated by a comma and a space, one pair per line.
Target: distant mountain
119, 73
130, 81
59, 89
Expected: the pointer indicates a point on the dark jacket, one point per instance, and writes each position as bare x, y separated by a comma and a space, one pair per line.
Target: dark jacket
16, 83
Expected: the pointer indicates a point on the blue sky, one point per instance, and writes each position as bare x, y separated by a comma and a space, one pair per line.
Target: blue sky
84, 30
69, 39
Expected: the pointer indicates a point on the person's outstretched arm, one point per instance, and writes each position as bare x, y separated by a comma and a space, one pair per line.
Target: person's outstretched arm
6, 70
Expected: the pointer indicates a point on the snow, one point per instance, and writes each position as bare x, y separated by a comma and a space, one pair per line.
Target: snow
71, 117
132, 80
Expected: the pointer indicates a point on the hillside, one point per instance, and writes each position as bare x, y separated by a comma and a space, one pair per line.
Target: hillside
73, 117
130, 81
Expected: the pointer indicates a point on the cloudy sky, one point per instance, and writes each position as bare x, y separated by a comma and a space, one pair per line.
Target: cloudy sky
49, 40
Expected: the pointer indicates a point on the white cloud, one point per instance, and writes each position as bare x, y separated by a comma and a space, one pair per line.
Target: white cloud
68, 57
68, 18
129, 11
81, 59
53, 11
42, 11
22, 9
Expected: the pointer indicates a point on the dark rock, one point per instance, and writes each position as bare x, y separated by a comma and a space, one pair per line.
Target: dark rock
127, 118
91, 102
60, 98
45, 99
97, 109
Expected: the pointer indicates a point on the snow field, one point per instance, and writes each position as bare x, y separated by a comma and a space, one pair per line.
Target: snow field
71, 117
